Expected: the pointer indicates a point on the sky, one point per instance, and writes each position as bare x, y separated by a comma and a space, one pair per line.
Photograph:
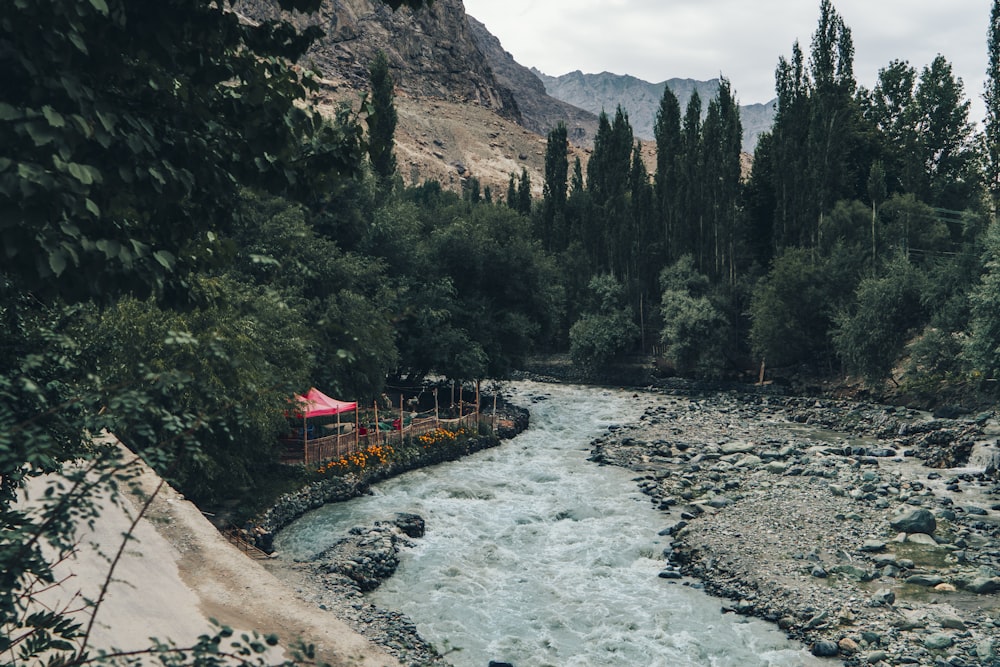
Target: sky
657, 40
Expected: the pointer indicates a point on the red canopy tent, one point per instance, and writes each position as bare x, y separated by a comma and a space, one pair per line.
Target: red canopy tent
317, 404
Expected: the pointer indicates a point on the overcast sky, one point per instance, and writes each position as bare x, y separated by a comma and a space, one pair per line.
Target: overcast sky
657, 40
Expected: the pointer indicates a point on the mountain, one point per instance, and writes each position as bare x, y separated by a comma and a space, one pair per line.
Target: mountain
466, 107
641, 99
540, 111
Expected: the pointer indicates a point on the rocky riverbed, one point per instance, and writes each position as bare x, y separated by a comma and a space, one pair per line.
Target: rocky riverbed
868, 532
860, 529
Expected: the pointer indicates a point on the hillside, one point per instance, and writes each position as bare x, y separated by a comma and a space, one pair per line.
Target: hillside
466, 107
540, 112
641, 99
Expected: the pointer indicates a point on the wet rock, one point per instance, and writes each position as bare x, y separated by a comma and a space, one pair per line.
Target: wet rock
824, 649
914, 521
412, 525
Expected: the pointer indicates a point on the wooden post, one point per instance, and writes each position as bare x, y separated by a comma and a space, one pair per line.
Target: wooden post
452, 406
761, 379
494, 413
305, 438
400, 419
437, 418
378, 436
477, 407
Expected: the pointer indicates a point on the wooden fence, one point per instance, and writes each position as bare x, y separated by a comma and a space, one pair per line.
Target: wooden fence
333, 447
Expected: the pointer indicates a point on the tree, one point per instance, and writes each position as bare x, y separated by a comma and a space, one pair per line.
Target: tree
554, 191
127, 131
524, 193
690, 214
792, 311
992, 98
870, 336
982, 348
606, 331
890, 111
945, 139
667, 132
382, 120
126, 127
695, 331
721, 147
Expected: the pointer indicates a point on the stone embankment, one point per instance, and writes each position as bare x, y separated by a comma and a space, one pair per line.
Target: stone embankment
854, 527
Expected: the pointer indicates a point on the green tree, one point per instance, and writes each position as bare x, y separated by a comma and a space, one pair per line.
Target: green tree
382, 120
667, 132
945, 139
792, 311
554, 191
524, 193
722, 135
695, 332
871, 335
126, 132
125, 128
992, 98
982, 348
690, 212
607, 329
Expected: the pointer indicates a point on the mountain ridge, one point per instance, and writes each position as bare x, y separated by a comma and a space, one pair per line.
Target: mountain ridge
640, 99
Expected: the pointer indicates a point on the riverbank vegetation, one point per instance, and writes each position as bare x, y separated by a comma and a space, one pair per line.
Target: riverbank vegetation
187, 243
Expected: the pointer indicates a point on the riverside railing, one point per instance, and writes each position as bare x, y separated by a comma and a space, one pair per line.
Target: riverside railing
331, 447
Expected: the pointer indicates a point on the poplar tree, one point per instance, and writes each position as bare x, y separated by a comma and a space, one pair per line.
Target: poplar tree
833, 126
689, 186
667, 132
553, 215
992, 99
382, 120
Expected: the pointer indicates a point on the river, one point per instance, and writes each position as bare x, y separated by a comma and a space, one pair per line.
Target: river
536, 556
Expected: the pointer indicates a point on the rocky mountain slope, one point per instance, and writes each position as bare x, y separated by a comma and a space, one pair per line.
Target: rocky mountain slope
540, 112
466, 107
641, 99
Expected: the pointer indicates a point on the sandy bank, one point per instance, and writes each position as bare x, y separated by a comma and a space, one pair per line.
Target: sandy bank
180, 572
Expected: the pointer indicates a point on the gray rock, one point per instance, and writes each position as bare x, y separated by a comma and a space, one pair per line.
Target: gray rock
924, 580
872, 546
938, 641
915, 521
825, 649
986, 650
952, 622
737, 447
883, 597
983, 585
921, 538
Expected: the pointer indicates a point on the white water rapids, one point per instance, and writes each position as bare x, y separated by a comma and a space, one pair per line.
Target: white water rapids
535, 556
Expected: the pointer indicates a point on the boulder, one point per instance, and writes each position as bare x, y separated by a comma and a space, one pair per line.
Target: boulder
918, 520
825, 649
